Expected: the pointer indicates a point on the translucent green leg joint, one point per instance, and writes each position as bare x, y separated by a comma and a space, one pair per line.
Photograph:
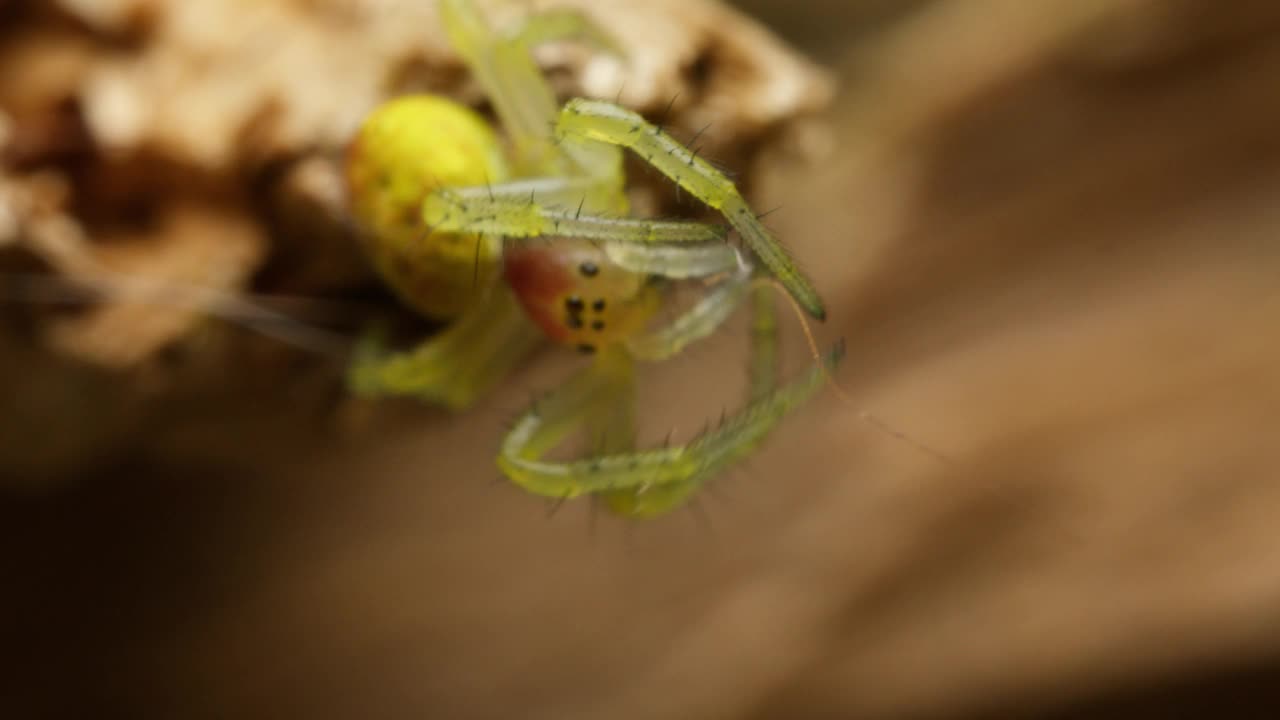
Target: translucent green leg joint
651, 482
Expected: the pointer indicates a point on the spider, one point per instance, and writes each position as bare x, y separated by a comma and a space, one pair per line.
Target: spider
448, 220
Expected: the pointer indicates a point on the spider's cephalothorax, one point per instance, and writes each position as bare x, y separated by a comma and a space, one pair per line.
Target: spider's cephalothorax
542, 233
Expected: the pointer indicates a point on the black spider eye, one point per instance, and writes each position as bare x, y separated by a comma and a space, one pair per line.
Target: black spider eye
598, 305
586, 349
574, 304
588, 269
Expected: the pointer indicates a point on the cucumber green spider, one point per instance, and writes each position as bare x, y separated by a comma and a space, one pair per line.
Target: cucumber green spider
448, 218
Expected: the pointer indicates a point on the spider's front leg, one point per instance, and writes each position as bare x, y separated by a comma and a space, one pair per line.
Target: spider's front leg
673, 249
599, 122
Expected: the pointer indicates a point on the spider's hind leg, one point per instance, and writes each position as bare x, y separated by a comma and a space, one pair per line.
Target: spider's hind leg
457, 366
650, 482
762, 373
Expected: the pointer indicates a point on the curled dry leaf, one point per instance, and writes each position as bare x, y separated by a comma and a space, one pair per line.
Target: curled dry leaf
286, 77
193, 250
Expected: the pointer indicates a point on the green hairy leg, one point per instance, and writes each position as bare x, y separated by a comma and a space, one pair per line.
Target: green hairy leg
671, 249
650, 482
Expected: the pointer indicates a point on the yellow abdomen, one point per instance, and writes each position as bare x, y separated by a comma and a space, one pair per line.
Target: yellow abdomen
405, 149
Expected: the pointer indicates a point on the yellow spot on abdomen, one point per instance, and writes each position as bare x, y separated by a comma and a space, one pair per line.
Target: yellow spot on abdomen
406, 148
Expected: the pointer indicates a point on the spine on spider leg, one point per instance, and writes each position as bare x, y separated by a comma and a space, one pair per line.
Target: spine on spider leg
774, 256
605, 122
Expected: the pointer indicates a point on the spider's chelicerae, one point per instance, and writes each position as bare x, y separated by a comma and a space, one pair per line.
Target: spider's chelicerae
445, 211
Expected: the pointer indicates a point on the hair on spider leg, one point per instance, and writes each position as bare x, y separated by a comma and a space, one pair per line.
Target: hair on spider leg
767, 213
724, 169
666, 440
695, 149
701, 434
698, 134
693, 154
660, 125
557, 503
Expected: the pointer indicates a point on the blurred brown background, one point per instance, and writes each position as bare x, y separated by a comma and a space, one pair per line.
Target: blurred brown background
1047, 231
